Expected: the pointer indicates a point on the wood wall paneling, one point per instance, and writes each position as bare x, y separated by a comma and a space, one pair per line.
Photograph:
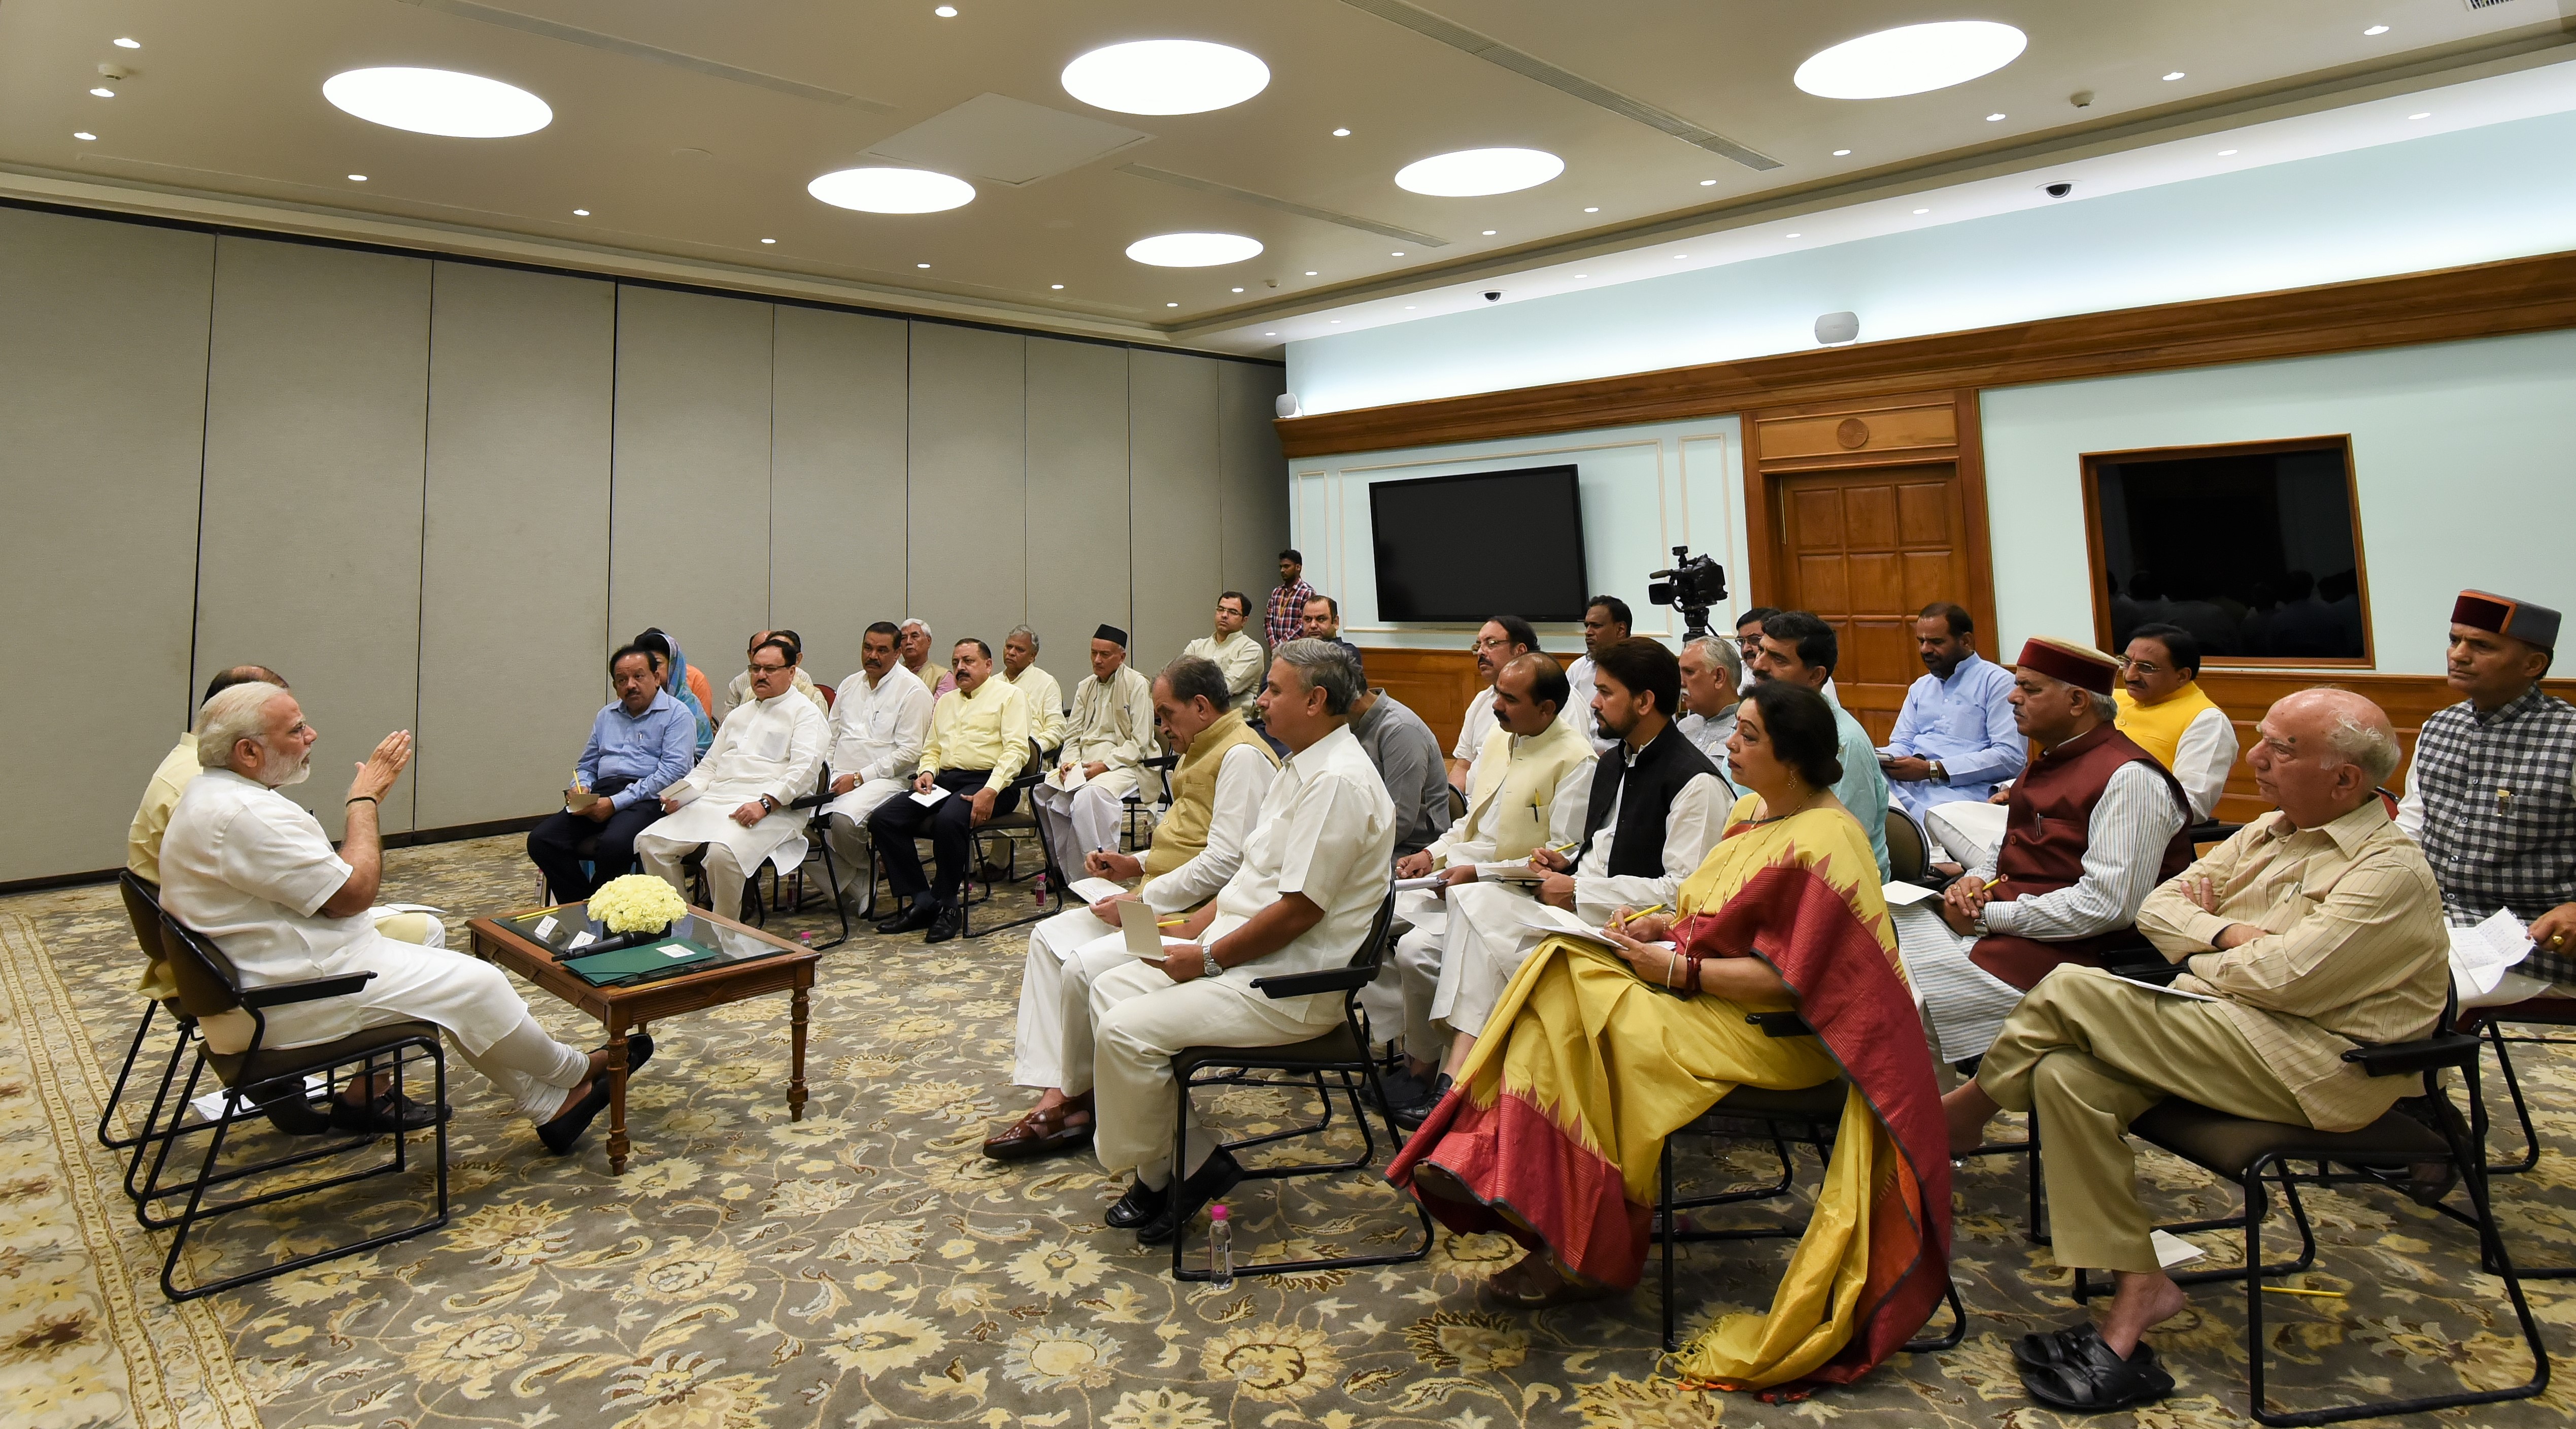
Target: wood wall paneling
1179, 536
2483, 300
969, 483
514, 548
837, 486
689, 513
102, 397
1078, 537
316, 416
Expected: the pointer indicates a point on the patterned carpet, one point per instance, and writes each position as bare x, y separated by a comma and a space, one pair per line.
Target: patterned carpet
866, 1266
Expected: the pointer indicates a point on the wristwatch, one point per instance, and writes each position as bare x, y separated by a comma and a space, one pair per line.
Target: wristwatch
1207, 955
769, 802
1939, 774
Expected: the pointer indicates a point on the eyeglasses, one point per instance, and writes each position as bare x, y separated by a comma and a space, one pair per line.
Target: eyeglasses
767, 669
1494, 642
2143, 667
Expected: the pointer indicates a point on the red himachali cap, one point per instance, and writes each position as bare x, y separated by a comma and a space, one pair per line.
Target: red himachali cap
2079, 665
2503, 615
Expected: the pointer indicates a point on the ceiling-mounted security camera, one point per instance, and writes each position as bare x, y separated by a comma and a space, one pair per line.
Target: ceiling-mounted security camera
1493, 295
2058, 190
2081, 99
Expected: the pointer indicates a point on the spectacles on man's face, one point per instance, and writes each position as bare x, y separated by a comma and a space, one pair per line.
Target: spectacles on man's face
1493, 642
767, 669
2142, 667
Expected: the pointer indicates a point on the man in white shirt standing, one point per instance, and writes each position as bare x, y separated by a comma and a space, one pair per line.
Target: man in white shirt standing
1110, 735
878, 727
1712, 691
1044, 696
1307, 893
1531, 786
1499, 642
1654, 808
1224, 771
246, 868
1237, 654
1606, 622
734, 804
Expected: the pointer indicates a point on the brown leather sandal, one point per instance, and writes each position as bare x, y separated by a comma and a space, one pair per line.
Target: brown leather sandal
1041, 1133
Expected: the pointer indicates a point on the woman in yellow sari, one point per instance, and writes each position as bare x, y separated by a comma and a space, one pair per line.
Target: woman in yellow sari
1554, 1131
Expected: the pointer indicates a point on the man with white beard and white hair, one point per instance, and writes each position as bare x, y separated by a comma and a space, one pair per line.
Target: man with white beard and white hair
245, 867
765, 755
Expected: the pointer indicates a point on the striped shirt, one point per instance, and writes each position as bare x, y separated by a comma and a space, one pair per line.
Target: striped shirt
2353, 951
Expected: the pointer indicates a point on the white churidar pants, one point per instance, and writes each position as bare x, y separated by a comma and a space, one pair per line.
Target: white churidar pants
734, 853
1969, 830
1139, 1018
1085, 820
846, 829
1065, 953
1963, 1004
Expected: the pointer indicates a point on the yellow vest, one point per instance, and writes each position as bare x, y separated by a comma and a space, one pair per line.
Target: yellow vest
2158, 728
1183, 832
1515, 782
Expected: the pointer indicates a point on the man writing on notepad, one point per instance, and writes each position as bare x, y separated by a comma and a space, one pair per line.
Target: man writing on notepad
2312, 931
1224, 771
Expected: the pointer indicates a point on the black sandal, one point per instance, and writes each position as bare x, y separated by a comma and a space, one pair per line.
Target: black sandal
2093, 1380
2052, 1349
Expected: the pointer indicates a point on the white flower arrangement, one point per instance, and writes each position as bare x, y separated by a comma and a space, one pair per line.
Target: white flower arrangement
636, 903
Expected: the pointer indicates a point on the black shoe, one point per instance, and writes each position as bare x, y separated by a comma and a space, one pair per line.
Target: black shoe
1402, 1088
912, 919
1214, 1178
288, 1107
392, 1112
1410, 1115
947, 923
2092, 1380
2427, 1182
564, 1132
2049, 1349
1141, 1204
639, 1050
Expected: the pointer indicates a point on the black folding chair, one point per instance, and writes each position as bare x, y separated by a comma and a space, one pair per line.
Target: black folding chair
1138, 810
2248, 1152
212, 989
143, 909
1341, 1053
1805, 1116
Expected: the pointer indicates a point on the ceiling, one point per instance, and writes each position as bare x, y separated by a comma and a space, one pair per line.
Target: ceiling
689, 130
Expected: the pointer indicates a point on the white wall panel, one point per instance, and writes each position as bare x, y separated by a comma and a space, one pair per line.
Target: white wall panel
1178, 562
1077, 545
316, 405
1253, 487
689, 509
514, 550
969, 483
836, 481
102, 393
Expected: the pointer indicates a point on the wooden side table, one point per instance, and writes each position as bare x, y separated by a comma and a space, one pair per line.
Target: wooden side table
769, 965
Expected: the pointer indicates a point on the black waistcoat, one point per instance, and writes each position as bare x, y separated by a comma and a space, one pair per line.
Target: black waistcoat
1656, 775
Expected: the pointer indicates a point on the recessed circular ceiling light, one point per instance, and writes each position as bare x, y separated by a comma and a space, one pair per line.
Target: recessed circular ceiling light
1793, 235
1166, 77
2223, 153
438, 101
946, 12
1193, 250
1057, 287
1171, 305
1994, 118
1266, 334
1472, 173
1236, 290
103, 92
1708, 183
2172, 75
1396, 254
1592, 210
1922, 210
2427, 114
1310, 272
1341, 133
581, 213
122, 43
1583, 275
1409, 307
1337, 322
1911, 59
357, 178
1842, 153
883, 190
83, 135
769, 240
2373, 30
1489, 233
921, 265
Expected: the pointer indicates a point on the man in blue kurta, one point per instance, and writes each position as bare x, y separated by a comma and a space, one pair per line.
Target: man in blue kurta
1954, 740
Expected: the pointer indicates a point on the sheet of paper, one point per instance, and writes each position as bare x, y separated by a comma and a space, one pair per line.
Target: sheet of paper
2172, 1250
1137, 921
211, 1105
679, 952
580, 940
407, 908
2170, 991
545, 927
2481, 956
1067, 778
1900, 895
1092, 890
931, 799
1407, 885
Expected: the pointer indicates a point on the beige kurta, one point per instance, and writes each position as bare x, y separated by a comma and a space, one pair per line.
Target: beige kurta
1239, 656
1046, 705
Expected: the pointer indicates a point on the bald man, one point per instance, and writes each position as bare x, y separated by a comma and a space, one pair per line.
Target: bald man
2311, 932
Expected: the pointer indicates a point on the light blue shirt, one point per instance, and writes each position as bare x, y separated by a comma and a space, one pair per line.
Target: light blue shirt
1863, 789
655, 749
1966, 722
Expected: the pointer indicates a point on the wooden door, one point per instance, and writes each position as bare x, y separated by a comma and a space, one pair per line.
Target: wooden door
1866, 549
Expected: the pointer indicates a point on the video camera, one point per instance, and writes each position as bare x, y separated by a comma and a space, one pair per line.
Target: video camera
1694, 584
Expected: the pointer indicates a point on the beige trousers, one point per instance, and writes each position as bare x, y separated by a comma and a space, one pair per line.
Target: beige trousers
1138, 1018
2090, 1054
728, 873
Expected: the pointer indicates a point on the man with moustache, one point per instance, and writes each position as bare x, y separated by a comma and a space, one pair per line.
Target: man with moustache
1954, 740
1106, 742
734, 804
1499, 642
879, 725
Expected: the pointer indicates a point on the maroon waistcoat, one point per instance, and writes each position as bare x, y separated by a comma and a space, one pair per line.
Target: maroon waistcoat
2049, 822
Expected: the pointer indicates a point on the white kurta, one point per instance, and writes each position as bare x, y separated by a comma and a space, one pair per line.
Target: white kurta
773, 746
2202, 757
877, 732
1479, 722
1239, 656
1067, 950
1046, 705
1578, 704
243, 865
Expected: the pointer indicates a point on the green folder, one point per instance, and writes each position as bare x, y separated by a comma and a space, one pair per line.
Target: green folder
635, 964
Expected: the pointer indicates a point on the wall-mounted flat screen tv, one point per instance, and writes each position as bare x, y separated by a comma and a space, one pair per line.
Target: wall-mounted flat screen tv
1462, 549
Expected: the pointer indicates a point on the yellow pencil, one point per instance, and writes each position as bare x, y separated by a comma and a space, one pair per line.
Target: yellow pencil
1641, 913
2287, 1290
1172, 922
